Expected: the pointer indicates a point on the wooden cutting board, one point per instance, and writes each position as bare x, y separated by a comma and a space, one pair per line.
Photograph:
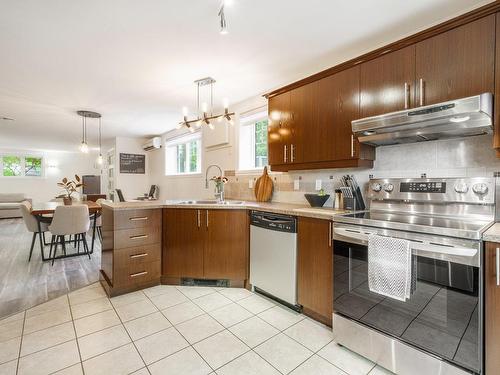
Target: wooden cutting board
263, 187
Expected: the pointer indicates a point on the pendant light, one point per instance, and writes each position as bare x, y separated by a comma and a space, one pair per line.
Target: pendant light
84, 147
99, 158
205, 117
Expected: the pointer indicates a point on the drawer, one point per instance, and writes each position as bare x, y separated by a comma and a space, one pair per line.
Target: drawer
137, 274
128, 219
137, 237
137, 255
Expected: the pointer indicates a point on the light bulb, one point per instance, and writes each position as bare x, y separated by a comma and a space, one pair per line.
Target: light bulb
191, 129
219, 119
99, 159
231, 122
198, 123
204, 107
211, 126
225, 102
84, 147
184, 111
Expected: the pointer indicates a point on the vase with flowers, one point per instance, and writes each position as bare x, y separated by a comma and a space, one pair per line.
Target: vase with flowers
219, 187
69, 188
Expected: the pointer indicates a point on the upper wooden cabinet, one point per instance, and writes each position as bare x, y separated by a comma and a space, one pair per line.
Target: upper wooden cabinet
387, 83
278, 127
492, 308
205, 244
496, 113
457, 63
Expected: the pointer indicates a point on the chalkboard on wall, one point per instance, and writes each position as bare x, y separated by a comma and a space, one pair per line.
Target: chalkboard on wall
132, 163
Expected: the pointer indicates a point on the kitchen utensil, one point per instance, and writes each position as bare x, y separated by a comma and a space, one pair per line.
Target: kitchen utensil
263, 187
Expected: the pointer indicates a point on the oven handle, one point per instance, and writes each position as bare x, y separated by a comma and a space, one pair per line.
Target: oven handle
421, 246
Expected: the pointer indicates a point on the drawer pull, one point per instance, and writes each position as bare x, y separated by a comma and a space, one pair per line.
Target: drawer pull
139, 274
139, 237
138, 218
141, 255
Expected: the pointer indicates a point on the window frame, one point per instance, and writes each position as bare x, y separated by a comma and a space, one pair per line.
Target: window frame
23, 156
175, 142
250, 119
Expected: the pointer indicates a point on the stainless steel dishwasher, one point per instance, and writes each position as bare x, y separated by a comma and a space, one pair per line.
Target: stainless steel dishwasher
273, 256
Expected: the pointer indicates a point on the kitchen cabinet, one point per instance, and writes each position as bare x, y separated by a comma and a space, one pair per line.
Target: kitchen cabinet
226, 252
183, 242
457, 63
492, 308
387, 83
496, 112
315, 268
278, 130
205, 244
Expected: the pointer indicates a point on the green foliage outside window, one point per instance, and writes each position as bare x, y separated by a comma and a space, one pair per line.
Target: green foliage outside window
12, 166
260, 143
193, 156
32, 166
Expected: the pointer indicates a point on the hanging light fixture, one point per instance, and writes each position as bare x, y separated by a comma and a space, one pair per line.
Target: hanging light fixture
99, 158
205, 117
222, 17
84, 147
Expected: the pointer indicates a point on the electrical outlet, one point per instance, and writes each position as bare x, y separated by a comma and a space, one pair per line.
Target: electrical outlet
318, 184
250, 184
296, 184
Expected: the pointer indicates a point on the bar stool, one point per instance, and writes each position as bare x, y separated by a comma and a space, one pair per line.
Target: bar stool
69, 220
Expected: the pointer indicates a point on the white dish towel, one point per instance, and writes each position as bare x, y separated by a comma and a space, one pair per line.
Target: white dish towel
389, 267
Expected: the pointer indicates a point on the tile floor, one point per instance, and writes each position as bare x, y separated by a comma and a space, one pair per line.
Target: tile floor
170, 330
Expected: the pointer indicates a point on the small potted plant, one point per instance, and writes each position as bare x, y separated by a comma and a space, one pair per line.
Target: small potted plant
219, 186
69, 187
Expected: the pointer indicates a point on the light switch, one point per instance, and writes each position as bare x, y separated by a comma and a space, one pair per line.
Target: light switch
250, 184
296, 184
318, 184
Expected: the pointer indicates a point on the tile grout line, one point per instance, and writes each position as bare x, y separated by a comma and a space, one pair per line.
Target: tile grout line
20, 344
76, 336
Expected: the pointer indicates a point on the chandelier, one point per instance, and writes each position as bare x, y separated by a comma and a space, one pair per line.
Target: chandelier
205, 117
84, 147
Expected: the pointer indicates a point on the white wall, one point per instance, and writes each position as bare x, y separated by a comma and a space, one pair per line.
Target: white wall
132, 185
62, 164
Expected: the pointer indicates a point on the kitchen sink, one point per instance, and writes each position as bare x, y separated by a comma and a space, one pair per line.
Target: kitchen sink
214, 202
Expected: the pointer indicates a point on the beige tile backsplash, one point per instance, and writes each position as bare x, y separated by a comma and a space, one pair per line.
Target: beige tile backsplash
467, 157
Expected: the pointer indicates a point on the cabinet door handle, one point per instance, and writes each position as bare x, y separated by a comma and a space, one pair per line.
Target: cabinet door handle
199, 219
407, 99
138, 218
352, 145
138, 237
421, 90
284, 153
330, 230
139, 274
207, 218
141, 255
292, 156
498, 266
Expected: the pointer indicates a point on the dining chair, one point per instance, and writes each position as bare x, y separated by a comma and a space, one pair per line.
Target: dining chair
98, 218
69, 220
32, 225
120, 195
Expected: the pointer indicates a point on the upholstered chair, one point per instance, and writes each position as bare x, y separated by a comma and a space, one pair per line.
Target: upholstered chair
31, 224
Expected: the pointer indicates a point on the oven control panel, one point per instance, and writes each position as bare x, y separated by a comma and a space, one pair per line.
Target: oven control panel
423, 187
478, 190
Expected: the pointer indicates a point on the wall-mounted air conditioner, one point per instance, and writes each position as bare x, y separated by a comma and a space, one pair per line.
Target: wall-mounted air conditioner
152, 144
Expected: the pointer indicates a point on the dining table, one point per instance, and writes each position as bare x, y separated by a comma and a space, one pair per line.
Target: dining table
43, 212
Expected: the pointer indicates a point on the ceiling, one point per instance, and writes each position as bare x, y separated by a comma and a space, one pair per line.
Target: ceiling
135, 61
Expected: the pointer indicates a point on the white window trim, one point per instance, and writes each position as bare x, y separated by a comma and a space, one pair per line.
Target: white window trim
249, 118
184, 138
23, 156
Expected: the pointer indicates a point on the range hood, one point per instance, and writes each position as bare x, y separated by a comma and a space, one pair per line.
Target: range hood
456, 118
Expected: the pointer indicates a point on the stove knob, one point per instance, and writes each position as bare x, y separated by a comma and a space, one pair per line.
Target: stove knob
376, 187
461, 188
389, 188
480, 188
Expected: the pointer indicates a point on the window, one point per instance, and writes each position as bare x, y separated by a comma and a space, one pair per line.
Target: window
253, 140
21, 166
183, 155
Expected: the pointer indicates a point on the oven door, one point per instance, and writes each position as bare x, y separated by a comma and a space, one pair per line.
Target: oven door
442, 316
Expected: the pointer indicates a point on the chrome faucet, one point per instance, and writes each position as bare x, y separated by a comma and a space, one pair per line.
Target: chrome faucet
219, 188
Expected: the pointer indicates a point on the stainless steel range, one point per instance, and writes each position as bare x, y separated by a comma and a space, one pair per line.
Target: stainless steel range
439, 328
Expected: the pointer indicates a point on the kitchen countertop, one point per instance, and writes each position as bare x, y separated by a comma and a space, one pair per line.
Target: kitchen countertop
492, 234
280, 208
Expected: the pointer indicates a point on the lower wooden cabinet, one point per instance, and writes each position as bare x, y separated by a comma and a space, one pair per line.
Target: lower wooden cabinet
315, 268
205, 244
492, 308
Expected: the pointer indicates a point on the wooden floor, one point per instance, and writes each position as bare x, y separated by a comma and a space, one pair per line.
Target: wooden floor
23, 284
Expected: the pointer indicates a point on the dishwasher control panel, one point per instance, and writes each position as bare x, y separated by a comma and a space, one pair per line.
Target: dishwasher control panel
272, 221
